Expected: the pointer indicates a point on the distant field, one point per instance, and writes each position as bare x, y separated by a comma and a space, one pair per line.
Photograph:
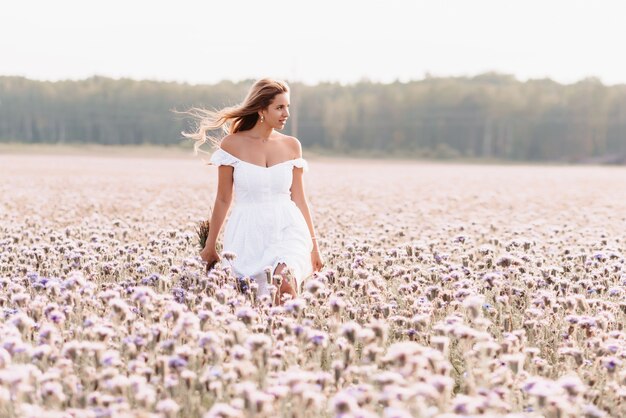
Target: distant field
94, 149
186, 151
450, 290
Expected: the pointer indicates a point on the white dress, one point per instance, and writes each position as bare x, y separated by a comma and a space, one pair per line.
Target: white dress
265, 226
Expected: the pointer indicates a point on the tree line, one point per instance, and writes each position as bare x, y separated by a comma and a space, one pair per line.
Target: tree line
487, 116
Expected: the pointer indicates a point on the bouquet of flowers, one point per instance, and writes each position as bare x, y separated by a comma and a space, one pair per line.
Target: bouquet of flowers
202, 229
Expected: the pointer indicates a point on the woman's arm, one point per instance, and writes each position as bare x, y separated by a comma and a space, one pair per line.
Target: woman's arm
299, 197
223, 200
298, 194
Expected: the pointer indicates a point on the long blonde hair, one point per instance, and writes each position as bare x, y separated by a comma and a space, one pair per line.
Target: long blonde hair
236, 118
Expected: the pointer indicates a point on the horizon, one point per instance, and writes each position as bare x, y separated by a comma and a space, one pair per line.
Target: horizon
343, 84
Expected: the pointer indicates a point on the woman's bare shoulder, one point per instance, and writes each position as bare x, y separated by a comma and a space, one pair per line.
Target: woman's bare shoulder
231, 143
294, 146
291, 143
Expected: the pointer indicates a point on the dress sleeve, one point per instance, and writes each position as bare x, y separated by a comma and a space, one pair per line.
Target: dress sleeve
220, 157
301, 163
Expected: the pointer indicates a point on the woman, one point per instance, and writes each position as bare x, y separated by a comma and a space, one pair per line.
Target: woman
270, 224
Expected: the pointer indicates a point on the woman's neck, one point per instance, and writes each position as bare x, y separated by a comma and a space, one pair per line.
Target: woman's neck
261, 133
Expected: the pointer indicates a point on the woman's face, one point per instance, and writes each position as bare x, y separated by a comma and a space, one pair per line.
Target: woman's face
277, 112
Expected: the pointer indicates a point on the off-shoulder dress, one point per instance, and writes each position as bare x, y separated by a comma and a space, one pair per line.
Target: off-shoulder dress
265, 227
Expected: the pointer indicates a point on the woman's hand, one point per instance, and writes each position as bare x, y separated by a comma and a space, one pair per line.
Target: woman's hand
316, 260
210, 256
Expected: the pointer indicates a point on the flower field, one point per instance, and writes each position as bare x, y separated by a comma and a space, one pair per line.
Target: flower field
450, 290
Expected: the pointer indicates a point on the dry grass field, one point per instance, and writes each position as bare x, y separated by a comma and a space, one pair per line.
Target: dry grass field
450, 290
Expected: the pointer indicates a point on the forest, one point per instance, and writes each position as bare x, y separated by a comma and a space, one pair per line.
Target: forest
489, 116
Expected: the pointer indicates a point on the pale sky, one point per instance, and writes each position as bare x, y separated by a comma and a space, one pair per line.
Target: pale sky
311, 41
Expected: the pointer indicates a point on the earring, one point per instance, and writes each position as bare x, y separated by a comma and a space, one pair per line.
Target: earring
262, 118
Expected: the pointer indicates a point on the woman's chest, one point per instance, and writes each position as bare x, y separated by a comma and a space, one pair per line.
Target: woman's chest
275, 178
